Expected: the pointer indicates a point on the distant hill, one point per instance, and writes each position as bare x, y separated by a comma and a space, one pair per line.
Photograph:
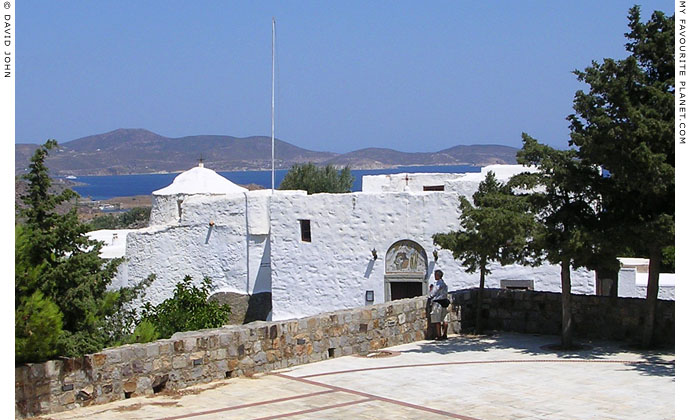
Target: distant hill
130, 151
479, 155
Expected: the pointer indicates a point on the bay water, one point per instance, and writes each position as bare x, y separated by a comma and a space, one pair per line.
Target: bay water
109, 186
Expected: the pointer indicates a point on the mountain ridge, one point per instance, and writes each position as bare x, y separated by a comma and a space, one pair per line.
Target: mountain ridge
140, 151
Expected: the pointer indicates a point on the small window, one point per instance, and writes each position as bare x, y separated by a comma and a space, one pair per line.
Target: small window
305, 228
434, 188
517, 284
179, 210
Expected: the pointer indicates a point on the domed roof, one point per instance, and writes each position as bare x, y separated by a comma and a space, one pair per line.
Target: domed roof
200, 180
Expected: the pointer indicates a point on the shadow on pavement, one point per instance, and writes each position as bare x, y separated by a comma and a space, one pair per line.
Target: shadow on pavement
655, 366
531, 345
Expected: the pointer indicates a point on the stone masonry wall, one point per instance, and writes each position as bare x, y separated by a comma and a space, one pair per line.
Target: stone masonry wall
203, 356
599, 317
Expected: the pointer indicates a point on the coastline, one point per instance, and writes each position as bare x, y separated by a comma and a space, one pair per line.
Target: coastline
219, 170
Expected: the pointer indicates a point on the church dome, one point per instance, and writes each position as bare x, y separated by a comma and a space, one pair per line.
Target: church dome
200, 180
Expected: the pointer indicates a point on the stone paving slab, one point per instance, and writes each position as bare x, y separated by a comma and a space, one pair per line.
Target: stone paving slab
489, 377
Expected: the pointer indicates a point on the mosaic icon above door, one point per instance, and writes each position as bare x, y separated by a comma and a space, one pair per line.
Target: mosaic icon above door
406, 257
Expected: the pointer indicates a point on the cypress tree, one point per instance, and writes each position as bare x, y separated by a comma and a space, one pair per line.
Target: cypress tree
55, 257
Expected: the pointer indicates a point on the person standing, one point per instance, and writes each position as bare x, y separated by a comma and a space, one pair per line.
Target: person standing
438, 295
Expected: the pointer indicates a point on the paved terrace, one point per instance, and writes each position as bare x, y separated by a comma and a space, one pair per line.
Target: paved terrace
505, 376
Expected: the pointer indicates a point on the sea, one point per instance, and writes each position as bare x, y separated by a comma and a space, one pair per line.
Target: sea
109, 186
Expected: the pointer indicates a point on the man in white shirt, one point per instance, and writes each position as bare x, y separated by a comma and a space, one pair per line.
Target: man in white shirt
439, 292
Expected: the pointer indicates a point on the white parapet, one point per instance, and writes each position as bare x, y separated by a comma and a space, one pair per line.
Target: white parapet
464, 183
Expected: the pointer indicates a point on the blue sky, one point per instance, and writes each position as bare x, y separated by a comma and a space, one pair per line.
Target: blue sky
413, 76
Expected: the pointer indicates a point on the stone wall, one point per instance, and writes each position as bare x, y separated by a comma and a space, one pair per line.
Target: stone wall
203, 356
600, 317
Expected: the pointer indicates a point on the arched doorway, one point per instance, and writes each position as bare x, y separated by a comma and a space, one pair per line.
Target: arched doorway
406, 267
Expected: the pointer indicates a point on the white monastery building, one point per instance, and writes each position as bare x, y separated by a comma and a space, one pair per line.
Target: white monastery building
324, 252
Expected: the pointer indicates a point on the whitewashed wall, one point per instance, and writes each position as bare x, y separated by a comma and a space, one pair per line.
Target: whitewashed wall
633, 283
667, 286
335, 269
164, 209
406, 181
666, 292
258, 240
250, 242
464, 183
223, 237
176, 251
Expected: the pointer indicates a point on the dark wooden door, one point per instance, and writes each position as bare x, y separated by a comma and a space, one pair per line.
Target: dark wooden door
405, 289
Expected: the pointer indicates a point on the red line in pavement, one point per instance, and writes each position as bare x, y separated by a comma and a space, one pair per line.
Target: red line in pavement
474, 362
237, 407
370, 397
313, 410
376, 397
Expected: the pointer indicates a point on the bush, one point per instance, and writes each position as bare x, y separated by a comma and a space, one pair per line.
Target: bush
145, 332
119, 324
188, 310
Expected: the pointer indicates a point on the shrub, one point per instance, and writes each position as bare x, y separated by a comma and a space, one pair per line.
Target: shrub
145, 332
187, 310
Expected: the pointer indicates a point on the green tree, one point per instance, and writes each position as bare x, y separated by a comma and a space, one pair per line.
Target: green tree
314, 179
187, 310
135, 218
37, 320
564, 201
27, 273
624, 124
54, 256
495, 228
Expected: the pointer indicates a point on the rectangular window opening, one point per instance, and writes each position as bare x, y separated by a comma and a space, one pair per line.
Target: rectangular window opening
179, 209
434, 188
517, 284
305, 229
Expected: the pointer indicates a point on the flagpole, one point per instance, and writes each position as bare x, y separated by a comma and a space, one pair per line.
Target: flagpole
273, 99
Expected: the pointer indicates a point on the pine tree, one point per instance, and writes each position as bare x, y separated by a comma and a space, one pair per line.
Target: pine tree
624, 124
495, 228
564, 201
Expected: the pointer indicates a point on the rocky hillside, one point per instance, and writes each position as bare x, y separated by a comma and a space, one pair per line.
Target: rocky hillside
479, 155
130, 151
